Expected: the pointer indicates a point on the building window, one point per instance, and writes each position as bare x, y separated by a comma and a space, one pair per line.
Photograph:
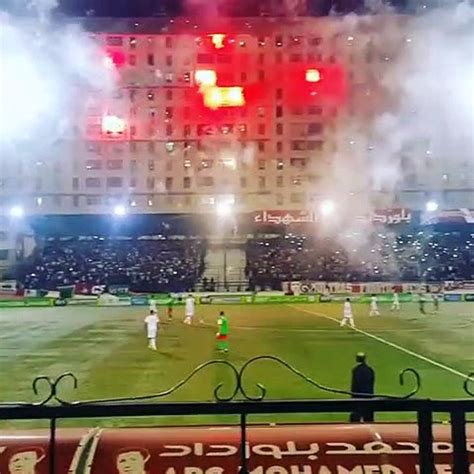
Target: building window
243, 182
279, 94
279, 111
133, 182
133, 147
315, 128
169, 94
224, 58
205, 58
279, 147
261, 41
169, 165
206, 181
279, 199
132, 60
133, 130
261, 129
114, 182
151, 147
169, 130
186, 182
133, 166
75, 201
315, 41
150, 59
168, 183
169, 112
298, 162
114, 164
261, 58
93, 183
75, 184
169, 77
279, 164
297, 198
261, 146
114, 41
151, 165
314, 110
298, 145
93, 165
279, 41
150, 95
279, 181
132, 42
261, 165
169, 146
279, 129
149, 201
314, 145
93, 200
169, 42
187, 164
150, 183
261, 182
296, 58
261, 75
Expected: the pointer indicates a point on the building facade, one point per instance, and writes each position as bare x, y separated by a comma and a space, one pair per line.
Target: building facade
261, 113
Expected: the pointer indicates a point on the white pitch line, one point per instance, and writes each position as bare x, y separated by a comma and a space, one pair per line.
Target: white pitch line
388, 343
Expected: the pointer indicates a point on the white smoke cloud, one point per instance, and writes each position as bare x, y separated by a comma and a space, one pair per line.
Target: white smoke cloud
45, 67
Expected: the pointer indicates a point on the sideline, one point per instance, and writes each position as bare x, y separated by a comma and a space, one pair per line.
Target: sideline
387, 343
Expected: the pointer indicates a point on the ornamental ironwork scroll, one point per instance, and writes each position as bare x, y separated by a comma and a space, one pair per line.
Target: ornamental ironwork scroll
236, 390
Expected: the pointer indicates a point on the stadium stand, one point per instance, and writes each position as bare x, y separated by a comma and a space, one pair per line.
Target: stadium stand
423, 254
143, 264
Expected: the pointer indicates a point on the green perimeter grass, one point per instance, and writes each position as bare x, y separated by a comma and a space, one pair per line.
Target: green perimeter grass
106, 349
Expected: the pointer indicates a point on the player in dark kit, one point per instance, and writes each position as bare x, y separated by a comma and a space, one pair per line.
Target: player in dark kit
362, 386
421, 304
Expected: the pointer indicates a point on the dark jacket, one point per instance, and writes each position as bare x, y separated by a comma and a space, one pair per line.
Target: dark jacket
363, 379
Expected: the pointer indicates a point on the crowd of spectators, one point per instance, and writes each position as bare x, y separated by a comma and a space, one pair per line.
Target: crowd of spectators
418, 255
143, 264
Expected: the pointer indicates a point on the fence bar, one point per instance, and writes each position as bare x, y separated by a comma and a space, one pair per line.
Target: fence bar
243, 444
458, 438
425, 440
52, 446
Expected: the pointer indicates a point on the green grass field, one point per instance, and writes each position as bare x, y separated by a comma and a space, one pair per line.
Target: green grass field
106, 349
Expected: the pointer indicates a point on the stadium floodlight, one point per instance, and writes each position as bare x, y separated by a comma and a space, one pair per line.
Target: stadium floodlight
17, 212
327, 207
224, 209
431, 206
120, 211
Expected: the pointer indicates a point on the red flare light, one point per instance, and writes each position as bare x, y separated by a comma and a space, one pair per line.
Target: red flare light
216, 97
113, 125
313, 75
205, 77
218, 40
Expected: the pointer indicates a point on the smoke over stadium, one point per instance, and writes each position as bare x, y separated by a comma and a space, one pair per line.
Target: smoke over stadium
257, 214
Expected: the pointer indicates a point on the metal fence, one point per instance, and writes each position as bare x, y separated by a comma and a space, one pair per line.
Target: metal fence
240, 402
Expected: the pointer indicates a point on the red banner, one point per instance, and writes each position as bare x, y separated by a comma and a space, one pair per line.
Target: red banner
286, 449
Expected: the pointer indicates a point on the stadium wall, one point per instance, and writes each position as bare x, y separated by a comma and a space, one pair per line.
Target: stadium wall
285, 449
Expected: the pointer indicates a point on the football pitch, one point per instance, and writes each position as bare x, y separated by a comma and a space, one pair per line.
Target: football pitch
107, 351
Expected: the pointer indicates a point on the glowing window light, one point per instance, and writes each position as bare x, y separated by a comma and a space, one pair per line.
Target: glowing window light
218, 40
215, 97
113, 125
205, 77
313, 75
108, 62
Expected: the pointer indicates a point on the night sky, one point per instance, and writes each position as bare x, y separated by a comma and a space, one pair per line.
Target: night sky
147, 8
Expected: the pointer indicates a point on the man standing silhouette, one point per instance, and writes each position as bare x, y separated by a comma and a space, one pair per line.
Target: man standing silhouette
362, 386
